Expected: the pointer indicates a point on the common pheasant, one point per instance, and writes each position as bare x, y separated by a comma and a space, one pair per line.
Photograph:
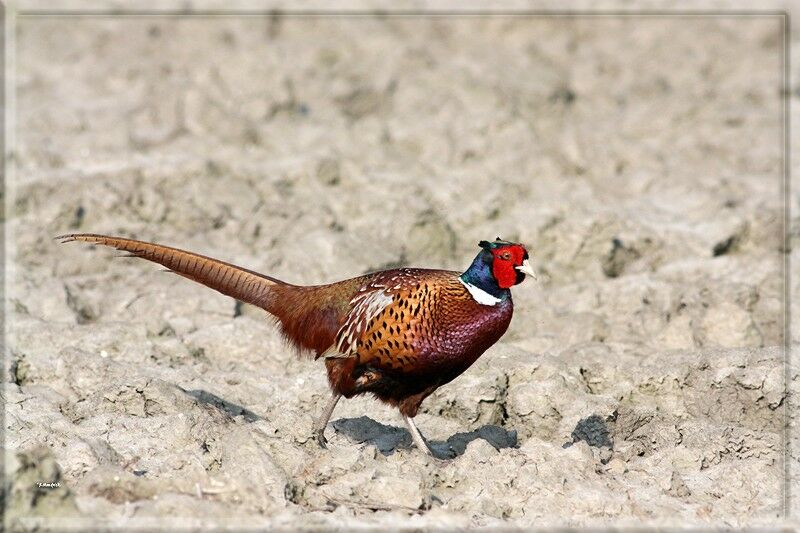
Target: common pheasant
398, 334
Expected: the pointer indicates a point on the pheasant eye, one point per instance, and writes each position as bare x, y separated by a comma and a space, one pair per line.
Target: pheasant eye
505, 256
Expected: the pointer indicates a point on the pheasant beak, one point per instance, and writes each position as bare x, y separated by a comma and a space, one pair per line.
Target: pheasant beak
526, 268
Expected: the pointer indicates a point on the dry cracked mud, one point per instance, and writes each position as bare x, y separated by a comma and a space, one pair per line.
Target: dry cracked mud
641, 381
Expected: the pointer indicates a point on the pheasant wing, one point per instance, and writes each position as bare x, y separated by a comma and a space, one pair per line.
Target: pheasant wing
368, 303
388, 320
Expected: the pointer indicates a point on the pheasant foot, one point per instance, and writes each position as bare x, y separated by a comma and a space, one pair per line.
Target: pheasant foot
416, 436
321, 422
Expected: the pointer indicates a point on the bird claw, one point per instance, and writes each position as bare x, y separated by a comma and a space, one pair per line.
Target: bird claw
319, 436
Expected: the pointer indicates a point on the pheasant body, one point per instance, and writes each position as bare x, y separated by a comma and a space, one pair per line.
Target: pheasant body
398, 334
423, 330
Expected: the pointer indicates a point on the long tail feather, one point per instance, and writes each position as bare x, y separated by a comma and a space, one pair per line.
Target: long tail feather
230, 280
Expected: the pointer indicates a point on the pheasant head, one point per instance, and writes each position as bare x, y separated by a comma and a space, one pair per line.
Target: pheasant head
498, 266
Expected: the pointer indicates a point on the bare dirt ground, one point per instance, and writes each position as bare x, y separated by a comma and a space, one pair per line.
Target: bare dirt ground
641, 381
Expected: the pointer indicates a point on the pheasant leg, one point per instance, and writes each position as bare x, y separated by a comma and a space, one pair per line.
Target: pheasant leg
416, 436
322, 421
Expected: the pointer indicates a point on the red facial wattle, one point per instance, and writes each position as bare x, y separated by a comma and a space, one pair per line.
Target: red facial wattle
506, 259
